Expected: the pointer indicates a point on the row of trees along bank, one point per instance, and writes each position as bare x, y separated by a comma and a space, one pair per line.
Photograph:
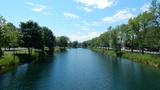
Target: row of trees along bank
35, 42
141, 33
28, 35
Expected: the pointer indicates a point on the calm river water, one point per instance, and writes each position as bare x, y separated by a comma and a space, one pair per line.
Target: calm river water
81, 69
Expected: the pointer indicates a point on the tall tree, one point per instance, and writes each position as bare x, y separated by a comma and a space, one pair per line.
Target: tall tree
130, 39
122, 34
145, 21
48, 38
155, 10
31, 35
134, 31
115, 43
10, 35
2, 22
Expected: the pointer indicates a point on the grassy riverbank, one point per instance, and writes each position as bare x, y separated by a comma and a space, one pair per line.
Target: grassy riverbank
152, 60
11, 60
7, 61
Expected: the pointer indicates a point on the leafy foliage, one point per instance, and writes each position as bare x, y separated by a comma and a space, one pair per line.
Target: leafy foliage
62, 41
141, 32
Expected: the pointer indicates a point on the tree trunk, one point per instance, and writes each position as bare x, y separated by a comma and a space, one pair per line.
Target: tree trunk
14, 54
51, 49
29, 51
9, 48
142, 50
43, 49
108, 47
132, 46
1, 52
132, 49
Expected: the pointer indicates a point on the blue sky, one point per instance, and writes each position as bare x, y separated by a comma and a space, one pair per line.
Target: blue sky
78, 19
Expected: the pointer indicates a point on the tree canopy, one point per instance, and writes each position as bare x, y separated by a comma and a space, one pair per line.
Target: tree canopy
141, 32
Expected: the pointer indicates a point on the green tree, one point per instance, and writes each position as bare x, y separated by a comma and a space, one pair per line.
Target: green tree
104, 40
31, 35
133, 33
2, 22
155, 10
84, 44
141, 32
122, 35
75, 44
145, 21
115, 44
62, 41
10, 36
48, 38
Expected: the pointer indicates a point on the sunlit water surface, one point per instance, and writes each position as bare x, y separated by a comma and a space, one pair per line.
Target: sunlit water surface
82, 69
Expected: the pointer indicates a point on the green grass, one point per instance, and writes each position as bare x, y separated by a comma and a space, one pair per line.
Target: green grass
59, 49
152, 60
104, 51
8, 61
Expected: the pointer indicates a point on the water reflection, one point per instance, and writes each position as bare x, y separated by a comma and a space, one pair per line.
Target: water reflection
82, 69
26, 76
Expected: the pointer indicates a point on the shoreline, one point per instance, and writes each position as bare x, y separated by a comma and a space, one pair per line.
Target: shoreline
12, 60
148, 59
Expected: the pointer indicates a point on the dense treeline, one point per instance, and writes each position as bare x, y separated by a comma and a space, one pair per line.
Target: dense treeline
29, 35
29, 42
140, 33
34, 36
76, 44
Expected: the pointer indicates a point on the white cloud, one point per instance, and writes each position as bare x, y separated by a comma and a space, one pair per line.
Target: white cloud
89, 5
29, 3
94, 23
145, 7
70, 15
86, 26
85, 23
120, 15
100, 4
38, 8
83, 37
82, 27
87, 9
